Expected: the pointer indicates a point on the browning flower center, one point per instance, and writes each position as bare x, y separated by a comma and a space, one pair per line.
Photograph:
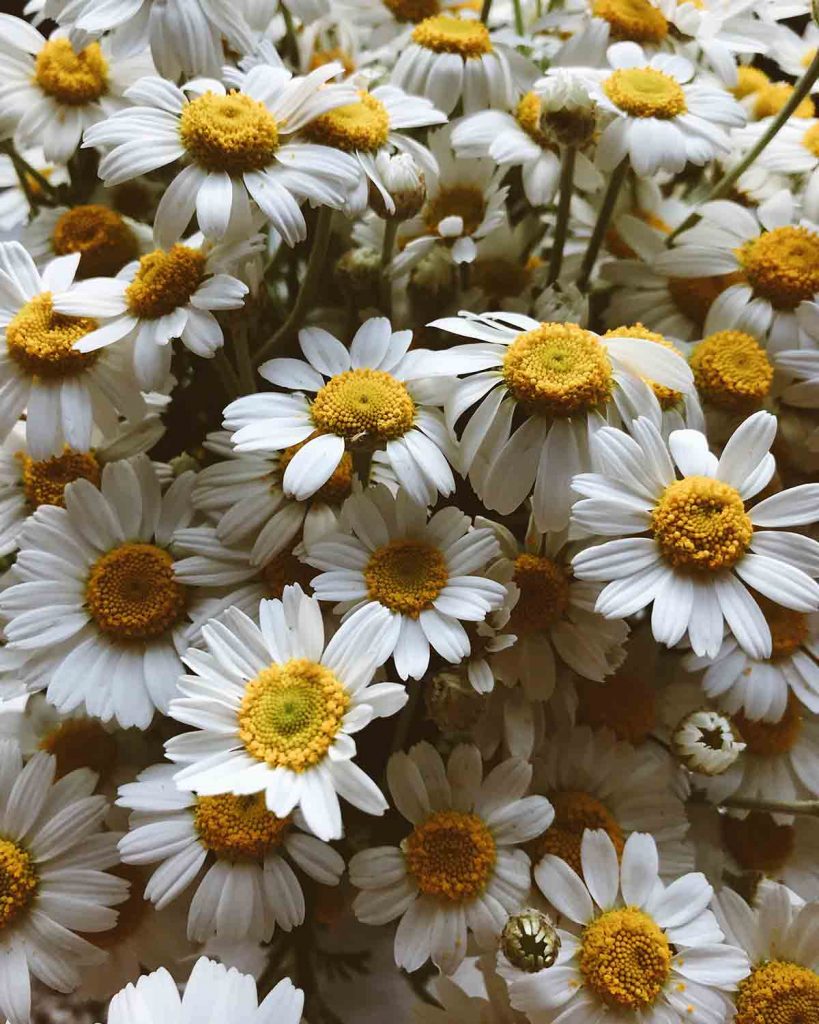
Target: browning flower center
369, 402
645, 92
232, 133
626, 703
412, 10
406, 576
238, 827
637, 20
71, 77
770, 739
625, 958
527, 114
357, 126
44, 481
694, 296
544, 594
100, 235
464, 201
756, 842
732, 370
81, 743
789, 628
18, 881
575, 811
778, 992
41, 342
451, 855
443, 33
166, 279
783, 265
284, 569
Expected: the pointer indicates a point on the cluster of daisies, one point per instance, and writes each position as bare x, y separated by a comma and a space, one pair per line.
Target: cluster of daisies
409, 511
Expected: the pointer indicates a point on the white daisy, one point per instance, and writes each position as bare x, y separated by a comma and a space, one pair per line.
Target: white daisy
793, 52
235, 148
93, 606
384, 22
562, 378
505, 274
281, 718
700, 549
372, 394
638, 950
248, 886
53, 861
15, 208
419, 576
458, 869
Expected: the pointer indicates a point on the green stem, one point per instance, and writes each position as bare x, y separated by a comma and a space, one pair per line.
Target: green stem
618, 176
227, 374
312, 277
801, 89
385, 283
487, 7
243, 361
291, 48
26, 174
518, 8
563, 206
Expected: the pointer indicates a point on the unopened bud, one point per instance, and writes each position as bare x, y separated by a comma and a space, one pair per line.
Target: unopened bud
403, 179
568, 114
529, 941
705, 742
358, 273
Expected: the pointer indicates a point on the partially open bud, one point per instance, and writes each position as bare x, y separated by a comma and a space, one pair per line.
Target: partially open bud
404, 181
568, 113
358, 273
452, 704
705, 742
529, 941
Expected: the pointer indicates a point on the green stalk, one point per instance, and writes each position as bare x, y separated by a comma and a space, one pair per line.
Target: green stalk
563, 206
487, 7
618, 176
385, 281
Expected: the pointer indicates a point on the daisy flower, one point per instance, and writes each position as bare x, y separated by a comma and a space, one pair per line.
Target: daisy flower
52, 89
235, 148
764, 845
65, 392
282, 717
93, 607
385, 22
53, 861
248, 886
213, 991
372, 394
15, 208
794, 52
733, 376
561, 377
638, 950
417, 574
699, 548
505, 274
458, 870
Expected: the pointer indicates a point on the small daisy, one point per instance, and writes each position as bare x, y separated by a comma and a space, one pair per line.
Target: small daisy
235, 147
458, 869
419, 575
792, 52
65, 392
385, 22
248, 887
15, 208
700, 549
733, 375
562, 377
372, 394
93, 606
638, 950
286, 706
53, 861
505, 274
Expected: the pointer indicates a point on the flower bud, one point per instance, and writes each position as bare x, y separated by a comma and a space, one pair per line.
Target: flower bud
529, 941
358, 273
404, 181
705, 742
452, 704
568, 113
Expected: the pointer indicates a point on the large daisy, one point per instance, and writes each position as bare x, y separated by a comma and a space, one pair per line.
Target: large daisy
699, 549
458, 870
273, 709
418, 574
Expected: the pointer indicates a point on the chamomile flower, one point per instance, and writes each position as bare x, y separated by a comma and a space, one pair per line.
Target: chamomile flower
771, 847
386, 22
287, 705
457, 871
418, 574
15, 208
248, 886
562, 378
698, 549
93, 607
638, 950
53, 862
235, 146
504, 274
372, 394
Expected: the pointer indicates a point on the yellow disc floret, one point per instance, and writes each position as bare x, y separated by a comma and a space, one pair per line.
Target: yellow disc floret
645, 92
575, 811
527, 114
558, 370
778, 992
340, 484
101, 237
810, 140
364, 125
544, 594
232, 133
406, 576
770, 739
636, 20
238, 827
412, 10
131, 592
69, 76
41, 342
756, 842
369, 403
18, 881
700, 523
44, 481
444, 34
783, 265
732, 370
771, 98
694, 296
626, 703
166, 279
625, 958
667, 397
451, 855
81, 743
749, 80
291, 714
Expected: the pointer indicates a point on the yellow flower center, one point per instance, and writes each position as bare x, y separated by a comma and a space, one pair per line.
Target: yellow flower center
667, 397
558, 370
771, 98
364, 125
700, 523
694, 296
810, 140
291, 714
625, 958
320, 57
45, 481
626, 703
637, 20
783, 265
770, 739
412, 10
70, 77
732, 370
749, 80
238, 827
544, 594
778, 992
575, 811
406, 576
756, 842
166, 279
232, 133
645, 92
41, 342
100, 235
451, 855
81, 743
444, 34
527, 114
18, 881
464, 201
131, 592
364, 402
789, 629
337, 488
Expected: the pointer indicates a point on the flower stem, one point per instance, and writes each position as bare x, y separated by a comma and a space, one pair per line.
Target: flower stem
227, 374
385, 281
244, 363
26, 174
745, 803
487, 7
518, 8
618, 176
562, 222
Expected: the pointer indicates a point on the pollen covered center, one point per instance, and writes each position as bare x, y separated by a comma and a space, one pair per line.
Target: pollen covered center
635, 20
558, 370
232, 133
645, 92
789, 628
626, 703
451, 855
464, 201
101, 237
732, 370
238, 827
71, 77
412, 10
810, 140
544, 594
41, 341
782, 265
166, 279
406, 576
18, 881
770, 739
625, 958
364, 125
340, 484
369, 402
700, 523
45, 480
291, 714
443, 33
575, 811
667, 397
131, 592
778, 992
